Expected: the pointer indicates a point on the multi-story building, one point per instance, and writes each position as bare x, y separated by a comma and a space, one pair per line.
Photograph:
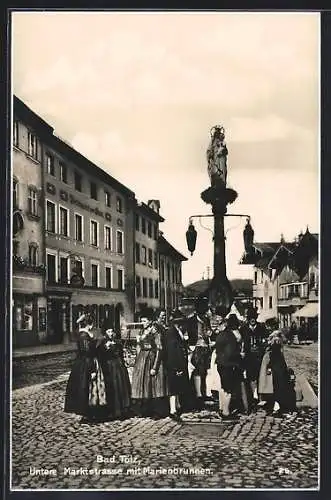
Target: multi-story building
171, 287
28, 298
147, 220
89, 227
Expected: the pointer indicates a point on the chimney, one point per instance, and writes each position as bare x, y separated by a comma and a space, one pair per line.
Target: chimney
154, 205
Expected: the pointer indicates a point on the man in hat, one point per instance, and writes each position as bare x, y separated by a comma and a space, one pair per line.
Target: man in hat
253, 338
176, 362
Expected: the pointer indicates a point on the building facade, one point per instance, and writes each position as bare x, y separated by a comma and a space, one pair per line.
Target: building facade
171, 287
147, 284
88, 225
28, 271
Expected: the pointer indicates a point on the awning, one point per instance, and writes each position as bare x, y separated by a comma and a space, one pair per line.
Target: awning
310, 310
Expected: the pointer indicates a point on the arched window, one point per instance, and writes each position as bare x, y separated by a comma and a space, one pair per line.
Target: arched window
15, 193
33, 254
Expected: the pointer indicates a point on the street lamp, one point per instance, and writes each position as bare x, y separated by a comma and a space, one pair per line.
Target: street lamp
219, 196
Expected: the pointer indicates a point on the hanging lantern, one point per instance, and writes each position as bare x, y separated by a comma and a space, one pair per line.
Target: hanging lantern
191, 237
248, 237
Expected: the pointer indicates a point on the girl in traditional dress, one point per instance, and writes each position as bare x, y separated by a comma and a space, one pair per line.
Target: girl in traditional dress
149, 383
117, 382
85, 393
274, 380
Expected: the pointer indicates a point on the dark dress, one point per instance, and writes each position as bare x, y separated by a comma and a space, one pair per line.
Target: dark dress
149, 391
176, 359
117, 382
253, 347
85, 393
280, 378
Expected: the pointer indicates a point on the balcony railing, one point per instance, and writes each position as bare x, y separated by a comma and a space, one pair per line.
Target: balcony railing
21, 264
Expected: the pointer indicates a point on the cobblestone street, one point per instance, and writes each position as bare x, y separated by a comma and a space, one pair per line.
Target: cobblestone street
202, 452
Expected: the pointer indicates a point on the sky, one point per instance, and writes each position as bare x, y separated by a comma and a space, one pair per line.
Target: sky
137, 93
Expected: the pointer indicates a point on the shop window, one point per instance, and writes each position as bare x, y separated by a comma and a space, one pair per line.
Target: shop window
23, 314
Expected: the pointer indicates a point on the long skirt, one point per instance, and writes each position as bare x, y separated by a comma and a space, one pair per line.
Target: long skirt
118, 388
145, 385
86, 396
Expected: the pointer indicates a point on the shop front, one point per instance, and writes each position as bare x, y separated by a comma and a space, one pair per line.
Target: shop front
29, 310
58, 318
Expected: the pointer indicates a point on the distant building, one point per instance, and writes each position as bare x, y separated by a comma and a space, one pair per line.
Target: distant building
171, 287
147, 285
29, 301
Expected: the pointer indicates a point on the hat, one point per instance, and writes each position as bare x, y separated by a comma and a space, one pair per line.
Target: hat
80, 319
177, 316
233, 321
252, 313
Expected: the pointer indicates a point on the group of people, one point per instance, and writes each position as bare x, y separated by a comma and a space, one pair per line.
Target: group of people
180, 366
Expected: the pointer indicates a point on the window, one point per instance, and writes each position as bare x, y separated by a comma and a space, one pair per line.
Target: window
16, 134
150, 257
137, 253
138, 286
94, 236
144, 255
162, 270
79, 227
156, 260
33, 255
50, 217
168, 272
312, 279
64, 262
93, 190
255, 277
77, 267
155, 231
63, 173
149, 229
262, 275
50, 164
95, 275
156, 294
78, 181
137, 222
107, 199
151, 288
109, 277
51, 268
270, 302
64, 219
119, 205
144, 287
261, 302
32, 145
107, 242
143, 225
32, 201
15, 193
23, 314
120, 279
119, 241
270, 273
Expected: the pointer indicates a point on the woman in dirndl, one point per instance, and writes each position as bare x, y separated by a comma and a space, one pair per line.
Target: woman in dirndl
149, 383
117, 382
85, 392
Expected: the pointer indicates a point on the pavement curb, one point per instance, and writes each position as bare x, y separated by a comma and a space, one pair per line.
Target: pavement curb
25, 355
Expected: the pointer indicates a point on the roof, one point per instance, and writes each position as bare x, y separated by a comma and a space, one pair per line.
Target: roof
23, 112
165, 248
46, 133
142, 207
